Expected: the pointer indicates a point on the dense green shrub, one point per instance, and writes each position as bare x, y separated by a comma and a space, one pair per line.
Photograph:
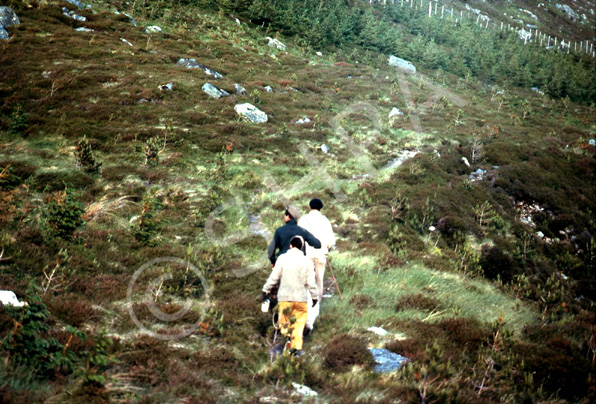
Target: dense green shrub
30, 345
18, 122
86, 159
63, 215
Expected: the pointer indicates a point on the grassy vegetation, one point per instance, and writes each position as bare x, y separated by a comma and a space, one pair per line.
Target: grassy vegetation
102, 172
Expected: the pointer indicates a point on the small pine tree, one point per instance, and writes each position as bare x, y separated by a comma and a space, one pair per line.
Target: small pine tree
86, 159
152, 150
148, 225
63, 215
18, 121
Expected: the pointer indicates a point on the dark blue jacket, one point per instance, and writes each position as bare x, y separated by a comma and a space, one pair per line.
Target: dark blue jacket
283, 235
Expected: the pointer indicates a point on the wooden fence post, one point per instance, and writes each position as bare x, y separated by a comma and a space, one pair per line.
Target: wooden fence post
430, 9
442, 11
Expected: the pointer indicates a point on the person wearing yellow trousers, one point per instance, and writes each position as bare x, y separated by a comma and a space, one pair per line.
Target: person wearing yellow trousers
319, 226
295, 274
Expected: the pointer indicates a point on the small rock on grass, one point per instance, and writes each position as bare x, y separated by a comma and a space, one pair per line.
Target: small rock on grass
303, 121
239, 89
167, 87
304, 390
152, 29
274, 43
378, 330
192, 64
213, 91
395, 112
251, 113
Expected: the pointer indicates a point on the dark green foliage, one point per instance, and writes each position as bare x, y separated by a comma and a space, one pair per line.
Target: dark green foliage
98, 360
12, 174
152, 150
148, 225
18, 122
345, 351
497, 263
86, 159
30, 344
63, 214
485, 54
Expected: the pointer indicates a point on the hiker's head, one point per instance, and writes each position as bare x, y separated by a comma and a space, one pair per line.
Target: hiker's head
296, 242
291, 213
316, 204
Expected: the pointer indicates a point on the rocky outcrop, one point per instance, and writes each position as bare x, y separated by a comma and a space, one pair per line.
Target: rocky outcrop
7, 18
402, 64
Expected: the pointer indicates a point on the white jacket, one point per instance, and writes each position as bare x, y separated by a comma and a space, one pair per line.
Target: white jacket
295, 274
319, 226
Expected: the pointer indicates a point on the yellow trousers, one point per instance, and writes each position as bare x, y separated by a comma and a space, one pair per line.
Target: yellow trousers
292, 317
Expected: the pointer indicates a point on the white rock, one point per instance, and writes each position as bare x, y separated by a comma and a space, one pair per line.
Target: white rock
269, 89
83, 29
152, 29
402, 64
213, 91
302, 121
251, 113
304, 390
8, 298
466, 162
395, 112
239, 89
325, 149
166, 87
378, 330
432, 228
274, 43
319, 54
125, 41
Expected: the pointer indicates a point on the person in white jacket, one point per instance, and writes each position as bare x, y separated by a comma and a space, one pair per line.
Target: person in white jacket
319, 226
294, 273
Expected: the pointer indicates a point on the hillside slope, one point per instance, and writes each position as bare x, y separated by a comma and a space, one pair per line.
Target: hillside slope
464, 223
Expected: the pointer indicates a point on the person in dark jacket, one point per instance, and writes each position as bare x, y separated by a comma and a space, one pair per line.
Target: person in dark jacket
283, 235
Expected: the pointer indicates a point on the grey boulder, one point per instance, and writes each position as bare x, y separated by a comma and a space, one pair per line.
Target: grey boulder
387, 361
251, 113
239, 89
213, 91
402, 64
7, 18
